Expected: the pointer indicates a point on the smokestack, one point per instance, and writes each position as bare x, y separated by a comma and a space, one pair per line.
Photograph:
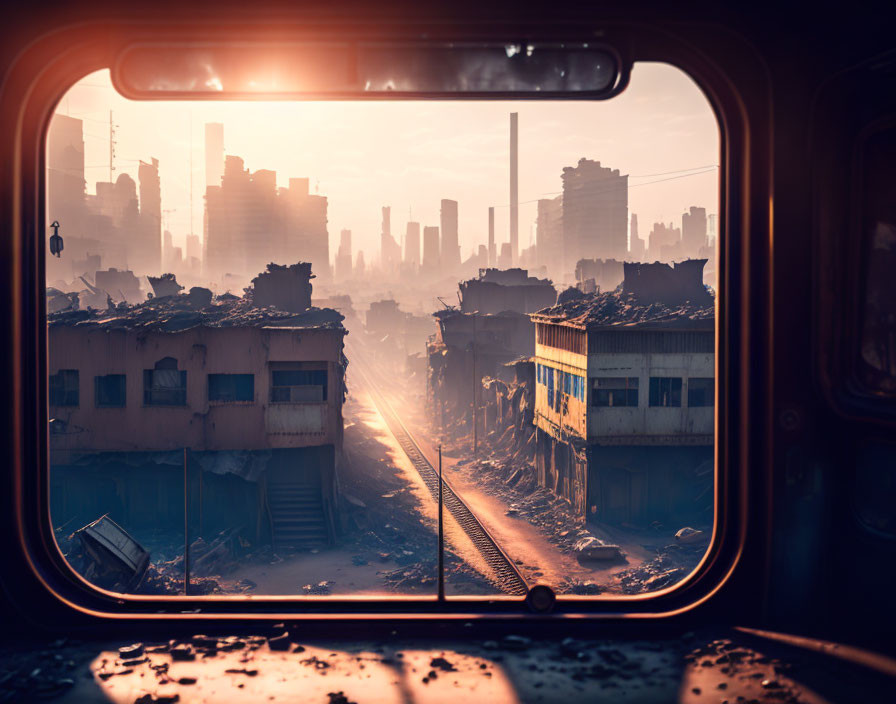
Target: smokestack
514, 192
492, 254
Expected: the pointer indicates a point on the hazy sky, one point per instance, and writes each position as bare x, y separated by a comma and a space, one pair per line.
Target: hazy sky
410, 155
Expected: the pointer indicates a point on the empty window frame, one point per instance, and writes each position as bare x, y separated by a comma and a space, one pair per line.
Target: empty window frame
298, 382
165, 384
701, 392
614, 392
665, 391
110, 391
231, 387
64, 388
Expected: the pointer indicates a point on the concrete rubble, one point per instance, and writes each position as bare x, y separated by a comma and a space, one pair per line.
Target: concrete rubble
179, 312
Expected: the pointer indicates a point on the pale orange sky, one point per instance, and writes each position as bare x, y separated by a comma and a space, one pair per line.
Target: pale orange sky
364, 155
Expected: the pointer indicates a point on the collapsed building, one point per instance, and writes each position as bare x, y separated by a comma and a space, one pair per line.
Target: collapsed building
238, 405
121, 284
598, 274
499, 290
472, 344
624, 398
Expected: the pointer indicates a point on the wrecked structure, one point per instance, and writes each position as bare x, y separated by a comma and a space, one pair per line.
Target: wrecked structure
598, 274
164, 285
467, 348
240, 402
670, 284
624, 400
490, 328
499, 290
121, 284
284, 287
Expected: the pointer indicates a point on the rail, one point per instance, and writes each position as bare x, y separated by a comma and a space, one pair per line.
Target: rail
507, 575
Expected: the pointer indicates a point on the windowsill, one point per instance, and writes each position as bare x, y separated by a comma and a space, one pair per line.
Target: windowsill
231, 403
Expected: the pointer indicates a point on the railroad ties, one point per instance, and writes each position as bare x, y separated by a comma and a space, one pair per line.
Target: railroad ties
507, 575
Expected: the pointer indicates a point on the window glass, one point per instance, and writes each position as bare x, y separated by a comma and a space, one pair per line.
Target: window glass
615, 391
231, 387
877, 361
665, 391
64, 388
165, 385
701, 391
298, 386
309, 299
111, 390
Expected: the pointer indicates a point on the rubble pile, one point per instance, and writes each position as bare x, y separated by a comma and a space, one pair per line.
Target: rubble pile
179, 312
29, 674
514, 483
671, 565
509, 410
422, 577
617, 308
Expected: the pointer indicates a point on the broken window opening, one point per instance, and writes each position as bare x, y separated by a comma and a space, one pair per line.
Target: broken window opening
64, 388
298, 383
231, 387
615, 392
165, 385
701, 392
110, 391
665, 391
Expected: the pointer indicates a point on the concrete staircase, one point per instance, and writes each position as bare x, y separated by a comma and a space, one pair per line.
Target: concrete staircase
297, 514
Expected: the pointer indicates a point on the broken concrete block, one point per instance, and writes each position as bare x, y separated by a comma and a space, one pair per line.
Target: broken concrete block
591, 548
689, 535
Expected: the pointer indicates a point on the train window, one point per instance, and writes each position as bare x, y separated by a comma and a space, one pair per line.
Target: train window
405, 288
877, 358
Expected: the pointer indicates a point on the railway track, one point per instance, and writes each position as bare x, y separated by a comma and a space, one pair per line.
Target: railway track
507, 575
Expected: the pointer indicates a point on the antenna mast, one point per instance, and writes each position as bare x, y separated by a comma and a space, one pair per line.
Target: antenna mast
111, 148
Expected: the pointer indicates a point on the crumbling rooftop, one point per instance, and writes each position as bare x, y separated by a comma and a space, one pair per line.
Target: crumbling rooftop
186, 311
613, 308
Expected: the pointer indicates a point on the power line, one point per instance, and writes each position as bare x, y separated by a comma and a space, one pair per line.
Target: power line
706, 170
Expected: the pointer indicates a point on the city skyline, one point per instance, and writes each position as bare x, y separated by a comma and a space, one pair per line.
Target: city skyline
414, 155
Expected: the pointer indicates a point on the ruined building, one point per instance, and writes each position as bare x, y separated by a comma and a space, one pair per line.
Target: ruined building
497, 290
624, 400
244, 403
489, 329
284, 287
598, 274
121, 285
595, 213
670, 284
